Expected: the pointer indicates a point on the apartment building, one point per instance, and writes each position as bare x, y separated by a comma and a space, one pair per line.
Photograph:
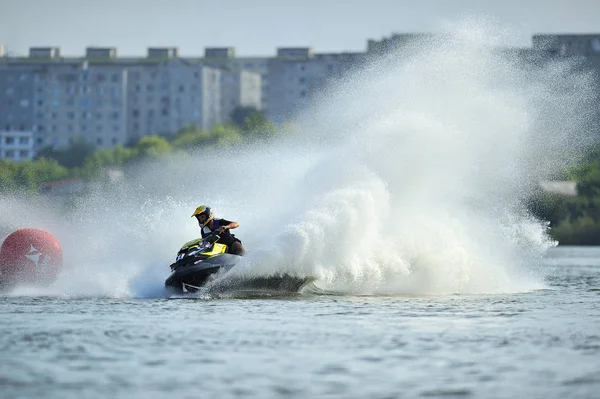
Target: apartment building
107, 100
165, 96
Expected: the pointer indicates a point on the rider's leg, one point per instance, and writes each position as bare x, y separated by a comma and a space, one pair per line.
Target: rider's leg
237, 248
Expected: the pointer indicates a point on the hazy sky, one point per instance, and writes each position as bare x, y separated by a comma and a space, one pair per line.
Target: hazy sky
257, 27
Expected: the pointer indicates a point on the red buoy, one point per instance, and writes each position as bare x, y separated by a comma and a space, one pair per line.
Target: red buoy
30, 256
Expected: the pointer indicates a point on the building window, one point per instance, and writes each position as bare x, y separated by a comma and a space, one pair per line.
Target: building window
9, 154
9, 140
114, 140
24, 140
99, 141
24, 154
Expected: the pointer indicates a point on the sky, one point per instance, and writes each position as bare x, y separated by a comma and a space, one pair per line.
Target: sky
258, 27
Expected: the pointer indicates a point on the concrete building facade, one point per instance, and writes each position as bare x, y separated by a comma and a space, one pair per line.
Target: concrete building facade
16, 98
78, 101
167, 96
16, 145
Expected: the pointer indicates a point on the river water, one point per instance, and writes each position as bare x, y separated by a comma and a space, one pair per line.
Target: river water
543, 343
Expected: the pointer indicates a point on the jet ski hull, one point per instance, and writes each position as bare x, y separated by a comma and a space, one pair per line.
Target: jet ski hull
190, 276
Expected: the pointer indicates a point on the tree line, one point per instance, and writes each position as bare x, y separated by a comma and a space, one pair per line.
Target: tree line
574, 220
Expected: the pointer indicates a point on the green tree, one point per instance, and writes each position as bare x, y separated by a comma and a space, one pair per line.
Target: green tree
257, 126
71, 157
239, 115
153, 147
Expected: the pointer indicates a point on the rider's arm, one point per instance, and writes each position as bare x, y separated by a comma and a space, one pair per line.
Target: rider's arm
228, 225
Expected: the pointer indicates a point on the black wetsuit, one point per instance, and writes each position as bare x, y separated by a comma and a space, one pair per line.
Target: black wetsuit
226, 237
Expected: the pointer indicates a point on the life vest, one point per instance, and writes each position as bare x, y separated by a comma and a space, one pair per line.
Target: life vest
216, 223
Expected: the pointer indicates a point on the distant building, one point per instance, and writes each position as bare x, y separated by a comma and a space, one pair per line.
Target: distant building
16, 145
80, 101
167, 96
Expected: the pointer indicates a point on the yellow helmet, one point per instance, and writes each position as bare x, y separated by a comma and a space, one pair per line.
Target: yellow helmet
204, 210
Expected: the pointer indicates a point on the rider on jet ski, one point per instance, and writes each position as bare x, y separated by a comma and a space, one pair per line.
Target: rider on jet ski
208, 225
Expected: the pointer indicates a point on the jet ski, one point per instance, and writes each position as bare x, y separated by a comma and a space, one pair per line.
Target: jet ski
197, 261
200, 261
